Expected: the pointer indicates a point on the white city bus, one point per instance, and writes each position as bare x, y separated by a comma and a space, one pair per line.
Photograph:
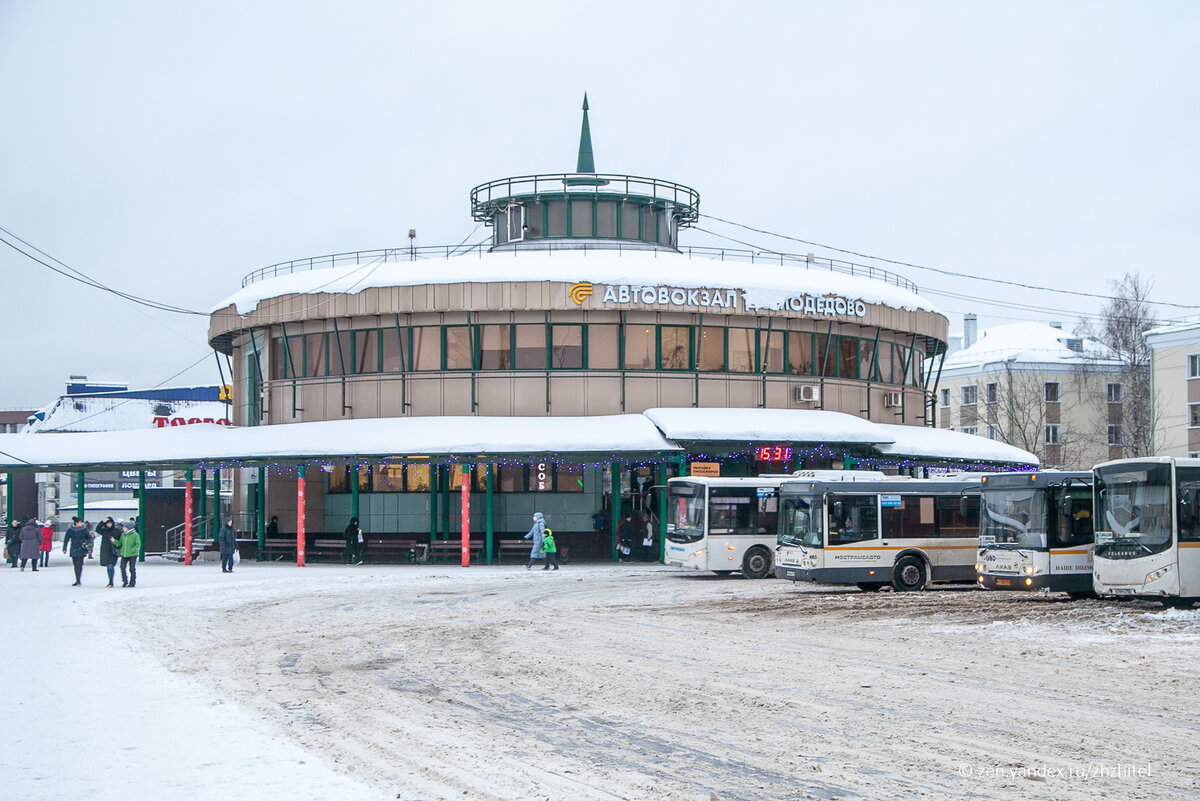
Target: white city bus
723, 524
1035, 532
895, 530
1148, 529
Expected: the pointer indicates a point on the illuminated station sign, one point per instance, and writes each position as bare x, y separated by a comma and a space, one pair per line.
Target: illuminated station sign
773, 453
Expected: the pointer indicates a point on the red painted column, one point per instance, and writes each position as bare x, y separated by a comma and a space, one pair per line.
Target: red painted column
300, 519
466, 516
187, 520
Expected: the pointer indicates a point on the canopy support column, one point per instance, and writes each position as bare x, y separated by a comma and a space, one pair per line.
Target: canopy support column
615, 506
187, 518
466, 516
662, 509
260, 511
78, 495
300, 518
203, 513
354, 492
487, 513
141, 526
216, 515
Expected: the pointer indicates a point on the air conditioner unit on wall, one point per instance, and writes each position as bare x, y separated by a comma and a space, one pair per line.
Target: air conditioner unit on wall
808, 393
893, 400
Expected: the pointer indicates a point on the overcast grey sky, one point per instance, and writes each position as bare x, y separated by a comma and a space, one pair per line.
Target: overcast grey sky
166, 149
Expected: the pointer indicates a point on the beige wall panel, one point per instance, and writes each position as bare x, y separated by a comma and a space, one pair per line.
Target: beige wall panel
569, 395
364, 399
743, 393
713, 393
495, 396
603, 395
676, 391
425, 397
456, 397
391, 398
529, 396
641, 393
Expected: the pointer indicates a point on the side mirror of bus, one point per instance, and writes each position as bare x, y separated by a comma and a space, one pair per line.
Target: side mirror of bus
964, 508
1067, 506
1187, 507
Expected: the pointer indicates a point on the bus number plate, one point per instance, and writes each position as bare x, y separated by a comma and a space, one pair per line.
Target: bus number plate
1003, 583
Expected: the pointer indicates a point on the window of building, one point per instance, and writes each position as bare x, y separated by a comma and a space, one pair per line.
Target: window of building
529, 347
712, 349
991, 392
1115, 435
366, 351
568, 477
341, 353
1194, 415
968, 395
944, 397
770, 351
800, 353
1053, 435
495, 342
866, 360
314, 355
884, 366
1053, 392
395, 345
1116, 393
848, 357
566, 347
512, 478
603, 347
676, 348
426, 348
741, 350
1193, 367
387, 478
993, 431
970, 430
826, 354
458, 347
416, 477
639, 347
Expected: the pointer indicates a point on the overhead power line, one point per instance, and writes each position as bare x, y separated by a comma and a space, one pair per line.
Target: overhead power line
940, 271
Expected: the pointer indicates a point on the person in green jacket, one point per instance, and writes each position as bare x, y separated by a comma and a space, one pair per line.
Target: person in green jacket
131, 546
550, 547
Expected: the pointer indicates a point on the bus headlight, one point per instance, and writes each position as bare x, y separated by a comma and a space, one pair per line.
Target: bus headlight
978, 567
1031, 570
1157, 574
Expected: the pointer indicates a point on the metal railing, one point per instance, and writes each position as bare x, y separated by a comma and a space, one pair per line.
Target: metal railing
359, 257
487, 199
176, 535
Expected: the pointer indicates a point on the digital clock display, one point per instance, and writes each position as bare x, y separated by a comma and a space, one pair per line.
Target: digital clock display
774, 453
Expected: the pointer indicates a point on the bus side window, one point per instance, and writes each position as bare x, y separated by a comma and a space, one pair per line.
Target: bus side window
1188, 479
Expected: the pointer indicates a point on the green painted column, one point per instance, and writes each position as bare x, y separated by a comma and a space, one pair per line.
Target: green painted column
354, 492
662, 510
79, 495
487, 512
615, 505
202, 512
216, 502
433, 502
8, 500
261, 512
141, 526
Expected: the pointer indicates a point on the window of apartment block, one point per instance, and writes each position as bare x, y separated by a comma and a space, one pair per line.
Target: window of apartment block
969, 395
993, 431
1116, 393
1053, 392
991, 392
970, 430
1053, 434
1115, 435
1193, 365
1194, 415
944, 398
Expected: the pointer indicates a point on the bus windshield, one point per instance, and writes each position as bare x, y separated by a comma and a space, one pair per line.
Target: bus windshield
801, 521
1015, 516
1133, 508
686, 514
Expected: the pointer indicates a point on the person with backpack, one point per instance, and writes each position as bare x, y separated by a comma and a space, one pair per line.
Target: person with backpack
550, 548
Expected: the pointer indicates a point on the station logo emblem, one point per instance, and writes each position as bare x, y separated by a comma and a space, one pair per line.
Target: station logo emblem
579, 293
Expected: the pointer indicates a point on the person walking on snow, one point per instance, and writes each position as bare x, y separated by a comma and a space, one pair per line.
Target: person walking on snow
31, 542
47, 543
109, 542
76, 543
551, 550
354, 543
538, 535
12, 540
227, 544
131, 546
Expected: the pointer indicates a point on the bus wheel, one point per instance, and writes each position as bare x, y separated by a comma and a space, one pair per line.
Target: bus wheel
756, 563
909, 574
1178, 603
870, 586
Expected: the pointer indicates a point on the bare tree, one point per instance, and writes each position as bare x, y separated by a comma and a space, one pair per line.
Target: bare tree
1123, 321
1015, 407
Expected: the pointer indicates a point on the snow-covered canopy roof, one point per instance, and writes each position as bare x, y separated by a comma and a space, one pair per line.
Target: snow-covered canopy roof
78, 413
1029, 343
764, 285
599, 438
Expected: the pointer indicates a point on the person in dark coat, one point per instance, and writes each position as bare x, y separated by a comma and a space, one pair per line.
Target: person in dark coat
76, 543
272, 528
354, 539
12, 540
227, 545
31, 543
625, 533
109, 537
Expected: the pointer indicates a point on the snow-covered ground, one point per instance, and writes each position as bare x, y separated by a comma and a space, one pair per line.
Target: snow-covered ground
595, 682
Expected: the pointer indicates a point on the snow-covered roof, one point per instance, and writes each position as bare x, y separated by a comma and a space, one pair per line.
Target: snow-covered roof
942, 443
764, 286
1028, 343
468, 438
778, 425
1182, 333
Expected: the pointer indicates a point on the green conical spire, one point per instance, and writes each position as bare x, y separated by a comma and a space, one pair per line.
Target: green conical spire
586, 162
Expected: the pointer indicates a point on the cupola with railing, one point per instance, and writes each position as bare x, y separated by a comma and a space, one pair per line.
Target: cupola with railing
584, 208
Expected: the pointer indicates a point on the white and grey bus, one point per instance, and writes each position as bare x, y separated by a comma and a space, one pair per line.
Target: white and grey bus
723, 524
898, 531
1148, 529
1035, 532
